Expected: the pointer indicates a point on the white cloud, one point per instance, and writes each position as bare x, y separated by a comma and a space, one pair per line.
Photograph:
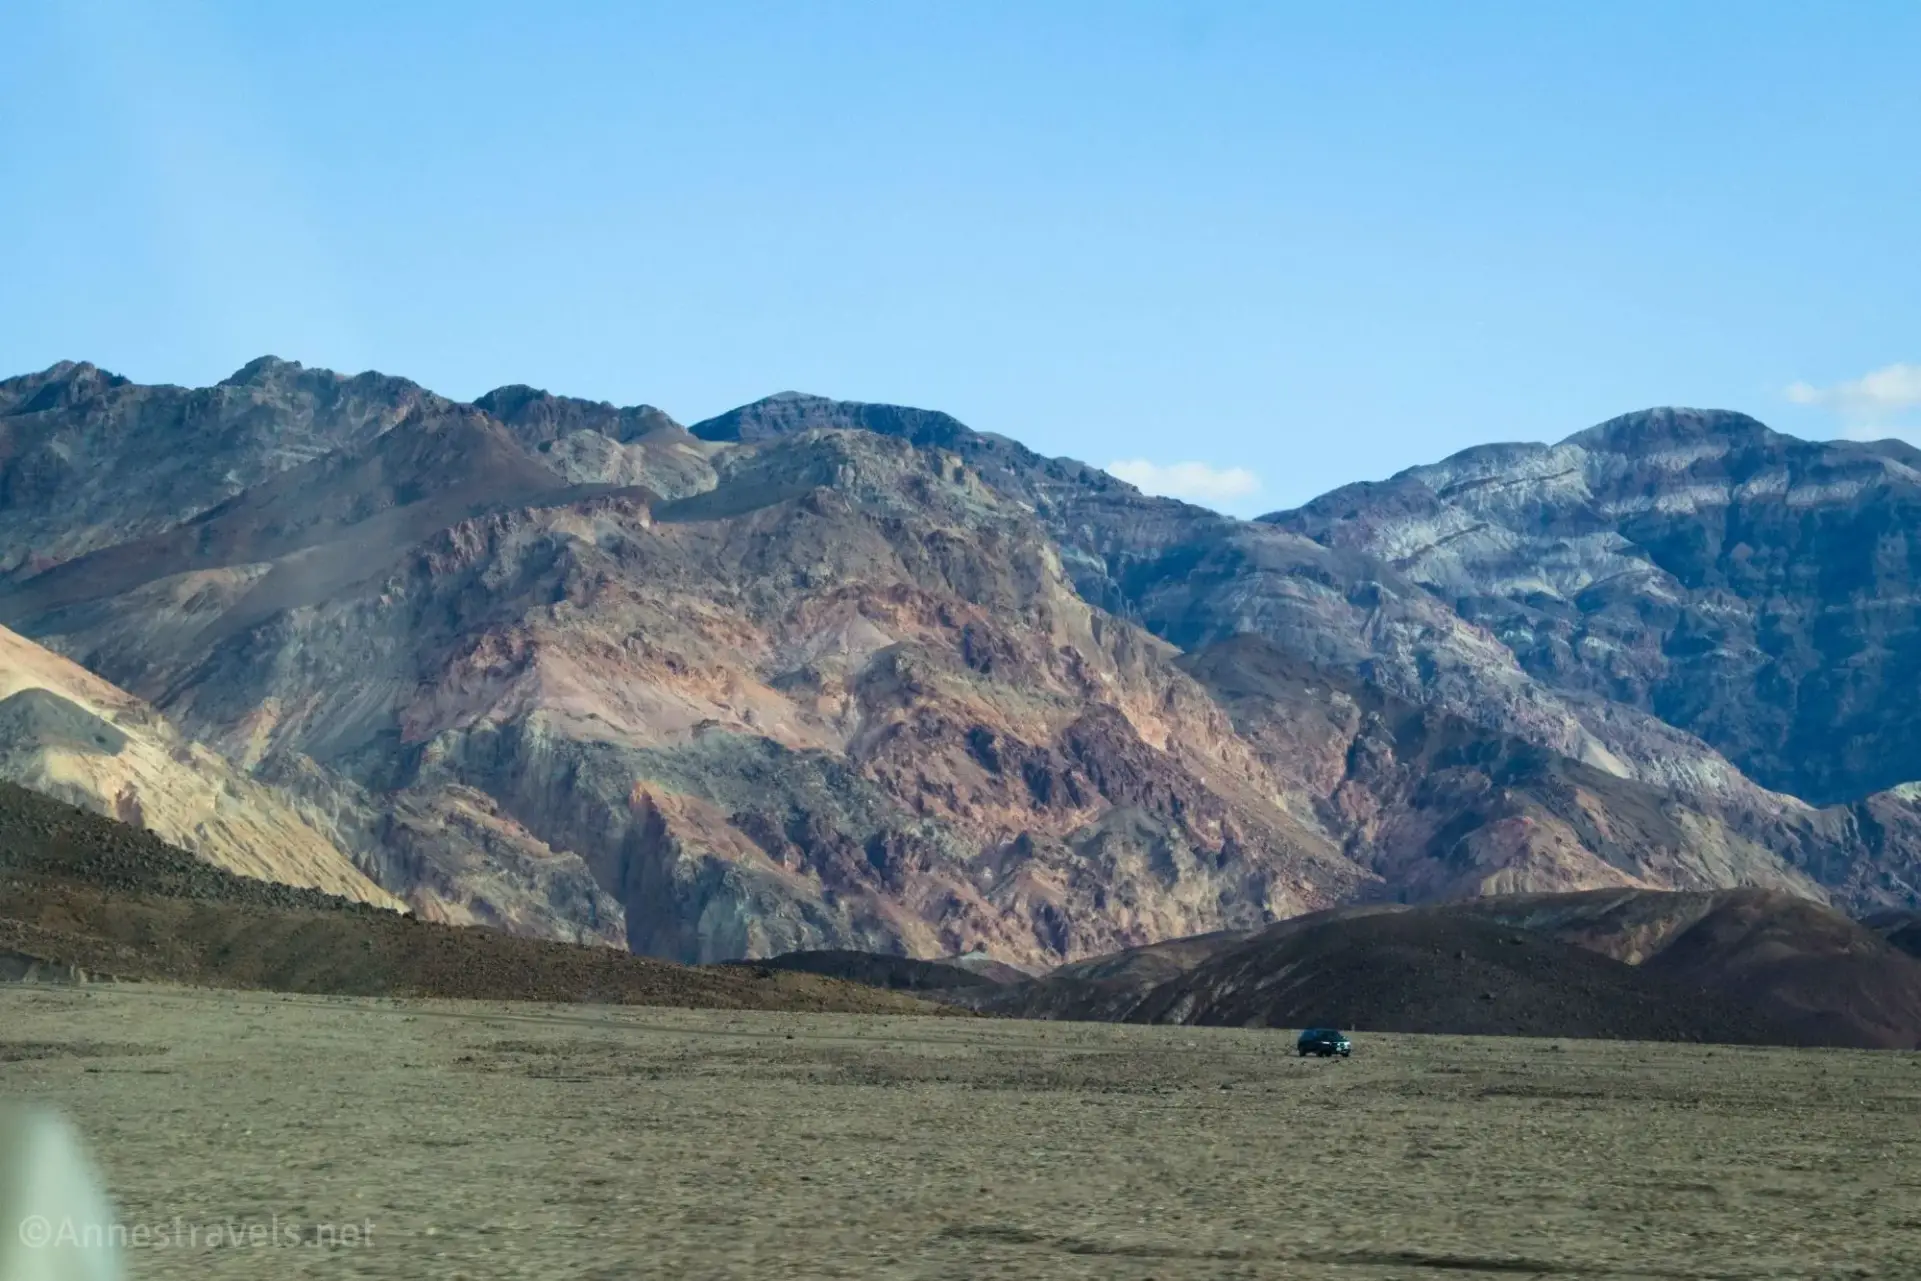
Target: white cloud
1195, 482
1891, 389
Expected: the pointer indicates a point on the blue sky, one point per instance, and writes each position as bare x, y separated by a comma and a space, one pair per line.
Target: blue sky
1308, 243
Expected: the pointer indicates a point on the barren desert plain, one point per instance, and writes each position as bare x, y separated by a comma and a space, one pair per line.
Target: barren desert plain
261, 1135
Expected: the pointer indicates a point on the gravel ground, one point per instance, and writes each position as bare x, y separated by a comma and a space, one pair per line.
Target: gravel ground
442, 1140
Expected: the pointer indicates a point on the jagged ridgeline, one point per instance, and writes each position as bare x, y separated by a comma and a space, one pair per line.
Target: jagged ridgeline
816, 674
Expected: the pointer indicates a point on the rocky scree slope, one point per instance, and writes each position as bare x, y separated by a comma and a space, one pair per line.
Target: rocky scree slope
823, 674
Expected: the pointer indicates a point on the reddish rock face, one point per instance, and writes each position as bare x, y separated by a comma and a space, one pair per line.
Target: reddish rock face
818, 674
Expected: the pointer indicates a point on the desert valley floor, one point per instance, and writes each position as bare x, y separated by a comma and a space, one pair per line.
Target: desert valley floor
490, 1141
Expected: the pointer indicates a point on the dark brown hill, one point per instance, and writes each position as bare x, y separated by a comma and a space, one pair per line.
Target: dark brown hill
873, 969
1102, 989
82, 892
48, 842
1436, 971
1828, 973
1836, 978
1903, 929
1806, 971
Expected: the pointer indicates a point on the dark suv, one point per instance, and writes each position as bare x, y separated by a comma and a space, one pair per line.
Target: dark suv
1324, 1041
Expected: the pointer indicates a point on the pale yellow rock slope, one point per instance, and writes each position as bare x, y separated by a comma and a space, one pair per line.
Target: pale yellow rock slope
94, 745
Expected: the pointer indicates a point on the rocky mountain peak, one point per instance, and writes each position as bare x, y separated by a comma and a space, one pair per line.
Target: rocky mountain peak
1341, 517
260, 370
791, 412
537, 417
1669, 427
60, 386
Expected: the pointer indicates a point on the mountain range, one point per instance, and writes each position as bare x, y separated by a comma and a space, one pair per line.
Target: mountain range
820, 674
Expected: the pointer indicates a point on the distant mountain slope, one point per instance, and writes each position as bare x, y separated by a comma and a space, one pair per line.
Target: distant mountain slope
69, 734
819, 674
1754, 589
89, 459
1349, 583
1439, 807
316, 529
1195, 577
445, 854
